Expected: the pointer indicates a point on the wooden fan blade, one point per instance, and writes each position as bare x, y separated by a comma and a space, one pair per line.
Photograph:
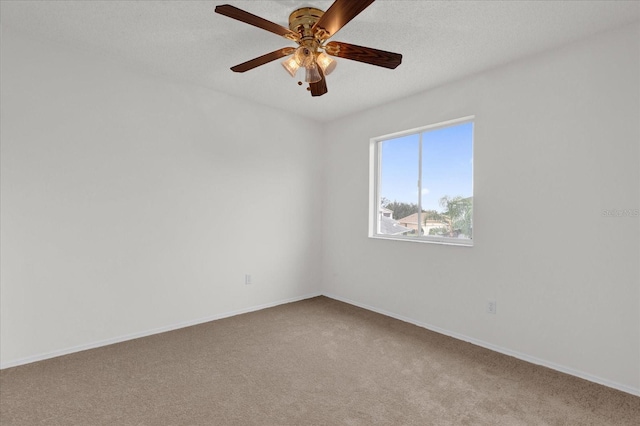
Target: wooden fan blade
319, 88
337, 16
264, 59
367, 55
256, 21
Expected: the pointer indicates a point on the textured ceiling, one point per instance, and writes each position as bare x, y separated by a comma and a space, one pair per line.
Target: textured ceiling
440, 41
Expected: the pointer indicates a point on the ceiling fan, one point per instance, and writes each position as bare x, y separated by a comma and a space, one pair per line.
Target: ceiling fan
311, 28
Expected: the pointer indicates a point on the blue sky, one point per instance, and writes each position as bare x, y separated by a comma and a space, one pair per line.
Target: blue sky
447, 167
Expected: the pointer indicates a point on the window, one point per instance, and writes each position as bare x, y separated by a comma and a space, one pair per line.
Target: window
422, 184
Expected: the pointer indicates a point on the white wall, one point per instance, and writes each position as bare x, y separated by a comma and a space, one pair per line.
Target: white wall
556, 142
130, 203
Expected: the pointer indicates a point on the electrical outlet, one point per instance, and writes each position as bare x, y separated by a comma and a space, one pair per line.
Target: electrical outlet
491, 307
247, 279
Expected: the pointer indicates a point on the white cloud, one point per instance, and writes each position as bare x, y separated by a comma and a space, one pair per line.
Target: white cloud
425, 191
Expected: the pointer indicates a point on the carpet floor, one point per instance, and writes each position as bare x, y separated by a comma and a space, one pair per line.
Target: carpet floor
313, 362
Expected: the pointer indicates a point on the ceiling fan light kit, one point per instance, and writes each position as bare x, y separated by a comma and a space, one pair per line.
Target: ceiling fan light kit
291, 65
311, 28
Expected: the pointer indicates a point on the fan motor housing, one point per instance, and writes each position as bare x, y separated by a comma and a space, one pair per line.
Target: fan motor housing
303, 19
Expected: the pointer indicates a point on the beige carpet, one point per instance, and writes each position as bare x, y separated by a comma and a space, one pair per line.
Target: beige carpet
315, 362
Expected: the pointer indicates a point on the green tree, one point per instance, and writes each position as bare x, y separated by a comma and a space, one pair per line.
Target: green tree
431, 215
457, 215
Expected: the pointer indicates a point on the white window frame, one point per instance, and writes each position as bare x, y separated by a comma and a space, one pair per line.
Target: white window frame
374, 184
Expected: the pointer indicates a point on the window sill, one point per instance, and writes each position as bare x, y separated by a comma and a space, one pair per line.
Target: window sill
442, 241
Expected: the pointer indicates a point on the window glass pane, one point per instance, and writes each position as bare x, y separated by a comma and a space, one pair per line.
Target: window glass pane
424, 184
447, 181
398, 186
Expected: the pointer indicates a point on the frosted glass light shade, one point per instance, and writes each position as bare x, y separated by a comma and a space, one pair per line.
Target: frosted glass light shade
312, 75
291, 65
304, 56
326, 63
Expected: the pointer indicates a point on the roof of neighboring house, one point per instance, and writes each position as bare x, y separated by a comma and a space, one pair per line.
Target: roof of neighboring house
389, 226
413, 219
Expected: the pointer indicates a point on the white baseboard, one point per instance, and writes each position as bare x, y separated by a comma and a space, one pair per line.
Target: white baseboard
100, 343
495, 348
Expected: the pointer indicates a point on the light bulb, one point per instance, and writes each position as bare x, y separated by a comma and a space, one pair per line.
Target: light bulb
312, 75
326, 63
291, 65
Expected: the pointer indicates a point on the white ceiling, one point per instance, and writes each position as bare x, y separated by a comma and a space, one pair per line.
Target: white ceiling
440, 41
